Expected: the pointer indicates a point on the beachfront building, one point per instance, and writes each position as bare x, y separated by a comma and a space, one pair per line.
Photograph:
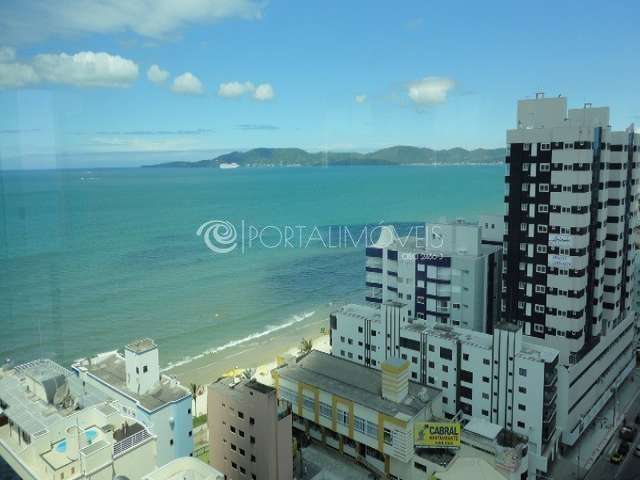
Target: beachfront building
370, 415
249, 431
446, 272
503, 378
156, 400
185, 468
53, 427
571, 206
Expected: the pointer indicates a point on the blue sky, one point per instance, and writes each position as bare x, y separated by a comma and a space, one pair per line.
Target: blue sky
357, 75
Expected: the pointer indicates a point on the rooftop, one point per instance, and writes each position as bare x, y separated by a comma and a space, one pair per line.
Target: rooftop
142, 345
185, 468
229, 386
110, 369
60, 393
357, 383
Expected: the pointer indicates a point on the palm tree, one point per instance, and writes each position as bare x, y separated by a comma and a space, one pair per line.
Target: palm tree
306, 345
194, 395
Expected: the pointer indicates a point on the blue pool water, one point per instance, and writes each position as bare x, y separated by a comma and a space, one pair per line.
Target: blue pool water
90, 435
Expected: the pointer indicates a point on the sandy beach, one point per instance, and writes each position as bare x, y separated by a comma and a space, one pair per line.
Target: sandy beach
253, 353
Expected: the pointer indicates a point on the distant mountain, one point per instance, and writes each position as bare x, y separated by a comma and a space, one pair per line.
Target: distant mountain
399, 155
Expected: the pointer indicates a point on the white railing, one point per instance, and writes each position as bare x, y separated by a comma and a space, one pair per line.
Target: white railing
123, 446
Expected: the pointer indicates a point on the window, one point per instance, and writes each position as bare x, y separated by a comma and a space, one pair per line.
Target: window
545, 147
240, 414
522, 389
541, 248
234, 465
388, 437
543, 208
145, 369
541, 268
446, 353
539, 308
171, 442
540, 288
542, 229
521, 424
253, 458
522, 407
232, 428
544, 187
545, 167
252, 420
445, 384
252, 440
522, 372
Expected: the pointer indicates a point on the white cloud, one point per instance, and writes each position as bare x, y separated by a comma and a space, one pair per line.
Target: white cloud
33, 20
156, 74
187, 84
83, 69
264, 92
361, 98
15, 75
430, 90
86, 69
235, 89
7, 54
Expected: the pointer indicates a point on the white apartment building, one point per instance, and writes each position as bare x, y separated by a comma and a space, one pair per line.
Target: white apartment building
53, 427
503, 378
370, 416
446, 272
568, 277
158, 401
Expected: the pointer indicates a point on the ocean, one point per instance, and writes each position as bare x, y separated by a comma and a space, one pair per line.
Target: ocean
90, 260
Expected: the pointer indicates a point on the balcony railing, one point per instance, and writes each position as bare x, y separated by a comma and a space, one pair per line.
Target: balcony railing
128, 443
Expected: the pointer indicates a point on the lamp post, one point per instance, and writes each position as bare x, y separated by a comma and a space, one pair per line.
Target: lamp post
580, 427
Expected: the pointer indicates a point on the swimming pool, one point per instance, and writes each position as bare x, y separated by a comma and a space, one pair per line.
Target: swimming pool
90, 434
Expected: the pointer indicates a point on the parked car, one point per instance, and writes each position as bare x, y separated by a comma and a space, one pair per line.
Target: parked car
628, 433
616, 458
624, 448
636, 452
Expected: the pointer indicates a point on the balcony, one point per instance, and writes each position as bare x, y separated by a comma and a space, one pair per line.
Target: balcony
132, 441
550, 378
550, 395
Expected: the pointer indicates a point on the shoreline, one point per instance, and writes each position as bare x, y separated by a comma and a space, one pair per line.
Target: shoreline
253, 353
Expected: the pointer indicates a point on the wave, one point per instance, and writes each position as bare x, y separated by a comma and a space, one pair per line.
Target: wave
234, 343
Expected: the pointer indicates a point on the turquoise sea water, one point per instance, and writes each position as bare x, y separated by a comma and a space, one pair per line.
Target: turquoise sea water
92, 260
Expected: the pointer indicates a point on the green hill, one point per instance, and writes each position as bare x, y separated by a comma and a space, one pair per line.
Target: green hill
398, 155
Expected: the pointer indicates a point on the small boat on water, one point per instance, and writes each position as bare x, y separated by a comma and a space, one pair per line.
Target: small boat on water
227, 166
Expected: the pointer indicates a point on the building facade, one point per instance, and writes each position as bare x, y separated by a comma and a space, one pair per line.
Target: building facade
143, 393
371, 415
447, 272
249, 431
503, 378
569, 252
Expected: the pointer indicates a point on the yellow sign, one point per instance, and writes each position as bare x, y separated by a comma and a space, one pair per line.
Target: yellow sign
437, 434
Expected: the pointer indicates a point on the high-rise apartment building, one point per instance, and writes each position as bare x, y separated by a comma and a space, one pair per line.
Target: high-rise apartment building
446, 272
568, 254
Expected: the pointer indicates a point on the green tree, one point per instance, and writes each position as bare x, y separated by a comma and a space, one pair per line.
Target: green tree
306, 345
194, 394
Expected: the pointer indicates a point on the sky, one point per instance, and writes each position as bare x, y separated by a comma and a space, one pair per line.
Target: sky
116, 82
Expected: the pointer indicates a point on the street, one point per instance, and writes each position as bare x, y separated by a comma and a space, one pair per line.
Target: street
629, 469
